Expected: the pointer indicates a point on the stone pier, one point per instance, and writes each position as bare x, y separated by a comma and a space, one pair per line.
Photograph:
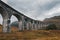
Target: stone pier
25, 23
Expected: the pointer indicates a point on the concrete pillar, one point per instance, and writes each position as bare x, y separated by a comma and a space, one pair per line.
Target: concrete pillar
23, 22
38, 26
27, 26
33, 25
6, 25
20, 26
9, 26
41, 26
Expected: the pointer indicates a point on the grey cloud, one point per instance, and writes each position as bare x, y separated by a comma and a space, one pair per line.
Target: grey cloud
33, 8
47, 7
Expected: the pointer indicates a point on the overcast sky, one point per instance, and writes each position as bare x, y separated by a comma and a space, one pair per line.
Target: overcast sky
36, 9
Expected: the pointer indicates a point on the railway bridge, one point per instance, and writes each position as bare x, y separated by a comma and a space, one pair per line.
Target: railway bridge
25, 23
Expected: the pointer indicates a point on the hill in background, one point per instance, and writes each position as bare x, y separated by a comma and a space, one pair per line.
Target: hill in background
55, 20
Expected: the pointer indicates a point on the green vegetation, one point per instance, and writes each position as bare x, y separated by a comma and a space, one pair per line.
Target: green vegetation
51, 27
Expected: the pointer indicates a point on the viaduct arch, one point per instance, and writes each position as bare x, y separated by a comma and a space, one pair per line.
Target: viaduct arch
25, 23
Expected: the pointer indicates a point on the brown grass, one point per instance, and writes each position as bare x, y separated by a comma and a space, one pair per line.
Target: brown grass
31, 35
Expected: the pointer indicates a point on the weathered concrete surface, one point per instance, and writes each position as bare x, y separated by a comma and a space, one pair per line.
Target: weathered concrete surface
25, 23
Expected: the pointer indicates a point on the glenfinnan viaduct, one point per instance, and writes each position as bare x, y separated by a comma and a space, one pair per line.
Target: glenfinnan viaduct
25, 23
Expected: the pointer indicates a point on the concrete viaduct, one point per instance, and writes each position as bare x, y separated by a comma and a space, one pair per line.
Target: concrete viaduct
25, 23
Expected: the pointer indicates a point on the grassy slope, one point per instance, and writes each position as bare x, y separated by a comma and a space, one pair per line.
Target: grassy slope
31, 35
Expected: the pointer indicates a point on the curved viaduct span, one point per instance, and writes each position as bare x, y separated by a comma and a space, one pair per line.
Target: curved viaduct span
25, 23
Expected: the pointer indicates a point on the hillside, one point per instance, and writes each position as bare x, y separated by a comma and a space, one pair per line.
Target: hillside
55, 20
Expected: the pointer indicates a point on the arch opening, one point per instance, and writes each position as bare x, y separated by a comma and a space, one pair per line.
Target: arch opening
14, 23
15, 19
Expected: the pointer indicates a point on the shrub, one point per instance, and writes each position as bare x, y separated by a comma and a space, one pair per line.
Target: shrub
51, 27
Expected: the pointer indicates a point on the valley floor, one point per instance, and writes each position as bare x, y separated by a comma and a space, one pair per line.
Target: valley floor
32, 35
